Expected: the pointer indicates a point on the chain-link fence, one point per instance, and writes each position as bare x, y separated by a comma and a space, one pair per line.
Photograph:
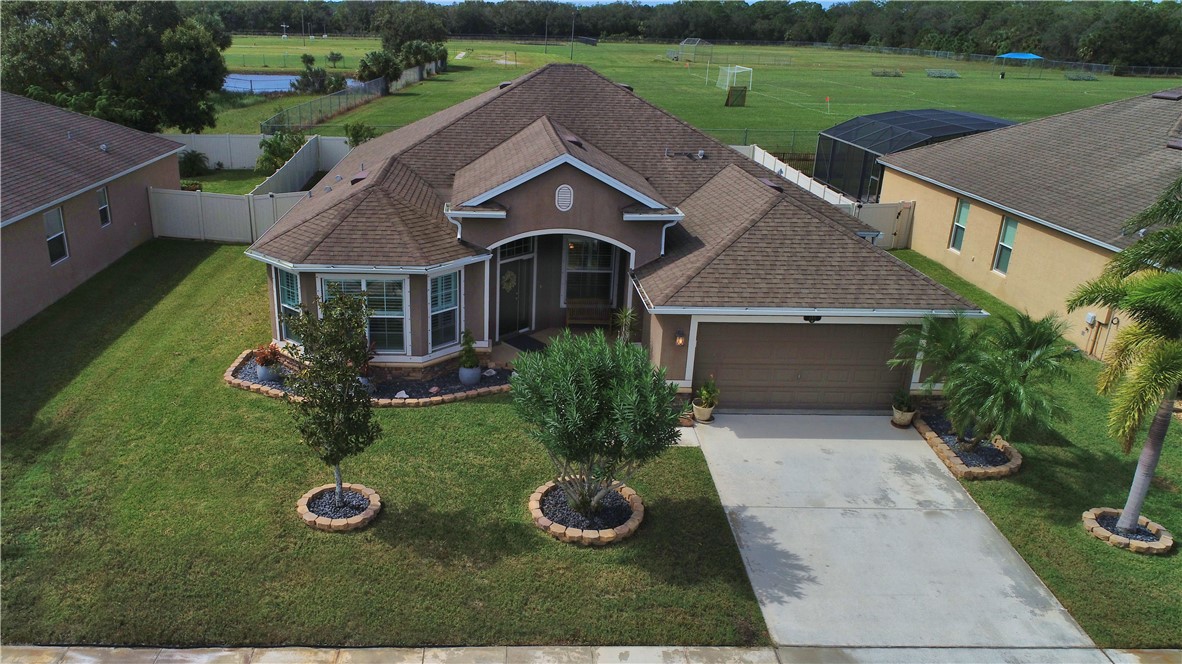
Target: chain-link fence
312, 113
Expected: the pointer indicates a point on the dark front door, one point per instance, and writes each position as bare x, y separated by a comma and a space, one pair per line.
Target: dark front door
516, 290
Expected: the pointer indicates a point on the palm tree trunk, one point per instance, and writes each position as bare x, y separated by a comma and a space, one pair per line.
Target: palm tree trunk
340, 500
1146, 465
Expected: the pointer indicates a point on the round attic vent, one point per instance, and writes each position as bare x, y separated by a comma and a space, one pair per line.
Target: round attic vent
564, 197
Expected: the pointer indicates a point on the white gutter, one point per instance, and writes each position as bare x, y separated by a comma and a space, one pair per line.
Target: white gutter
371, 269
666, 227
96, 185
654, 216
797, 311
1016, 213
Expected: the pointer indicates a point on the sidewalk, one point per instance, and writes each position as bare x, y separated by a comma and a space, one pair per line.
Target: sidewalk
569, 655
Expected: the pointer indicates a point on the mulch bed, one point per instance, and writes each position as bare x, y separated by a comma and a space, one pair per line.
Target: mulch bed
985, 455
1139, 533
354, 503
614, 510
446, 383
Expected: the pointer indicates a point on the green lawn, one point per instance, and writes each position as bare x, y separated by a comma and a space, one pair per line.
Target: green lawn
146, 502
1123, 600
785, 108
230, 181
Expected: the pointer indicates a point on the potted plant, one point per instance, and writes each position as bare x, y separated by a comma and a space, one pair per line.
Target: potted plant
706, 402
266, 359
904, 409
469, 364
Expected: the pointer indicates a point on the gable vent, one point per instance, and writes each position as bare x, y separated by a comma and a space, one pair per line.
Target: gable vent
564, 197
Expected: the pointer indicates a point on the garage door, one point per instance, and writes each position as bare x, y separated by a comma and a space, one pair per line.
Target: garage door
759, 365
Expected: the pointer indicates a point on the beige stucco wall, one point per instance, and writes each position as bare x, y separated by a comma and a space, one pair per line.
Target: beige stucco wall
30, 283
1045, 265
597, 208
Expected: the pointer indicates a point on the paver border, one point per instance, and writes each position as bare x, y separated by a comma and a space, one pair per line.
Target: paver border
587, 537
275, 393
1161, 547
958, 467
326, 524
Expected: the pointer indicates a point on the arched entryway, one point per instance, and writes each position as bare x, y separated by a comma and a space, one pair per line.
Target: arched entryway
549, 279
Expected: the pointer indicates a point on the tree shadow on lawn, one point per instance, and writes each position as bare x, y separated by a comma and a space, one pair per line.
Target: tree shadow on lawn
44, 354
453, 536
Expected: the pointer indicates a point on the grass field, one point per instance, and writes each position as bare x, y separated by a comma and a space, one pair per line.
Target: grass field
230, 181
785, 107
1121, 599
146, 502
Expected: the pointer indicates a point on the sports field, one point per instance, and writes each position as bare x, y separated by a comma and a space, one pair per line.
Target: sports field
786, 105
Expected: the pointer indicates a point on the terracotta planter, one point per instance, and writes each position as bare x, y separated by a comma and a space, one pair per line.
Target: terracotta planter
702, 413
902, 418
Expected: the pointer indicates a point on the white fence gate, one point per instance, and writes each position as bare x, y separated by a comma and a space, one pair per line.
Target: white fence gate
814, 187
893, 220
197, 215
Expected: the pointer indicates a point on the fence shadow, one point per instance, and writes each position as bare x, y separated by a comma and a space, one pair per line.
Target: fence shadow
43, 355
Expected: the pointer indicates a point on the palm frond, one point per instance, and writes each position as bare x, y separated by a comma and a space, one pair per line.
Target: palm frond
1106, 290
1161, 249
1156, 376
1130, 343
1165, 211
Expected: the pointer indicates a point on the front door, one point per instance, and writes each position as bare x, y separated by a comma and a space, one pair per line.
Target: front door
516, 293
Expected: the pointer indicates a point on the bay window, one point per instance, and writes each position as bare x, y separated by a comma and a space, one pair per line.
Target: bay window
387, 301
445, 310
287, 294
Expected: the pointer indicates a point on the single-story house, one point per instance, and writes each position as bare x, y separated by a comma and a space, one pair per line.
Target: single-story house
847, 153
561, 196
1031, 211
74, 199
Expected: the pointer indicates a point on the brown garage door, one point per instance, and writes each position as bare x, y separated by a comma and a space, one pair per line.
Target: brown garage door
760, 365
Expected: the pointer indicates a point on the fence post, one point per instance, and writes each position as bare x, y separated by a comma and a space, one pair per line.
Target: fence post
200, 216
745, 137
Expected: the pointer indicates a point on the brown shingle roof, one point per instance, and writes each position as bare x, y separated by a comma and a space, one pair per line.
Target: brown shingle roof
746, 245
51, 153
1086, 171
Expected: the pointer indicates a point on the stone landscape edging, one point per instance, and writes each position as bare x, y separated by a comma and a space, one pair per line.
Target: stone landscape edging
276, 393
958, 467
1161, 547
313, 520
587, 537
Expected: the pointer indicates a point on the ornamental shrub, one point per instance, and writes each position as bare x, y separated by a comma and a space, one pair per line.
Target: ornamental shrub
600, 409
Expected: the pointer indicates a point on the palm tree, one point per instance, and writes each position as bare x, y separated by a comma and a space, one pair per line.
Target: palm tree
1005, 381
938, 344
1143, 366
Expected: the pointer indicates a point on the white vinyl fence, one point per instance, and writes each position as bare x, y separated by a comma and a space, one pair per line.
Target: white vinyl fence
198, 215
814, 187
893, 220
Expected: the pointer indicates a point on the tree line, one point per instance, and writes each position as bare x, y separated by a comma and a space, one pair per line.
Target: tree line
1115, 33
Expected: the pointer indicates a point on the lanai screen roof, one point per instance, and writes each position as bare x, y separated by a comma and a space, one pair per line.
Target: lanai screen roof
884, 133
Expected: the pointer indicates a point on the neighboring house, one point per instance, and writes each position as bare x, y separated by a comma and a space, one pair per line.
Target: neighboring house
73, 199
561, 196
1029, 212
847, 154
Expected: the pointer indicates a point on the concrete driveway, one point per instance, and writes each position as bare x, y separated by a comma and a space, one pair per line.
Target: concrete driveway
855, 536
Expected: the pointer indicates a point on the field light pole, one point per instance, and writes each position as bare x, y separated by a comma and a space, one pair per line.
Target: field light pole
572, 35
284, 26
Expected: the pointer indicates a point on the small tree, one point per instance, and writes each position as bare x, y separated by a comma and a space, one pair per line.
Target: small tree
378, 64
333, 58
600, 409
333, 413
193, 164
358, 133
277, 149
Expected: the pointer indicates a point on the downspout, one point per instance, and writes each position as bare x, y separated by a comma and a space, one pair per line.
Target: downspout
665, 229
459, 228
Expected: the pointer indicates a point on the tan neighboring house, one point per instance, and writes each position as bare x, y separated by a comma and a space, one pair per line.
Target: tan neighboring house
560, 197
73, 199
1031, 211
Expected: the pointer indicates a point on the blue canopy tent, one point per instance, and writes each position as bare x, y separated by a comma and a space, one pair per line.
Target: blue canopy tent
1020, 59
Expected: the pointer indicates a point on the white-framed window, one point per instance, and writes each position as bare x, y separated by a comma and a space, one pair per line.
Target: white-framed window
445, 310
588, 270
959, 223
55, 236
287, 294
386, 298
522, 247
1005, 245
104, 205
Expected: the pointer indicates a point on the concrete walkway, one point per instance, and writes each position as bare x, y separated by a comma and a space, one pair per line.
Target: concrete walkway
560, 655
855, 536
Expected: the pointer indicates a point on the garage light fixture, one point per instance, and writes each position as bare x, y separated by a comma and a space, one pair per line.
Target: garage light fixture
811, 319
679, 338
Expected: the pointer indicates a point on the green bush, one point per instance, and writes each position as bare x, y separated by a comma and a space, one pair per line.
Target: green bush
600, 409
358, 133
277, 149
193, 164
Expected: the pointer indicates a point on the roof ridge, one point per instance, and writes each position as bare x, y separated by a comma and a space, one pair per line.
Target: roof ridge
503, 92
732, 237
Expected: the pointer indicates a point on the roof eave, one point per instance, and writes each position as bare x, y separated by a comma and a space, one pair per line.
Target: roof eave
818, 311
367, 269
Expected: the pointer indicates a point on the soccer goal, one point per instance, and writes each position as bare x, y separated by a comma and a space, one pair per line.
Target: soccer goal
734, 76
